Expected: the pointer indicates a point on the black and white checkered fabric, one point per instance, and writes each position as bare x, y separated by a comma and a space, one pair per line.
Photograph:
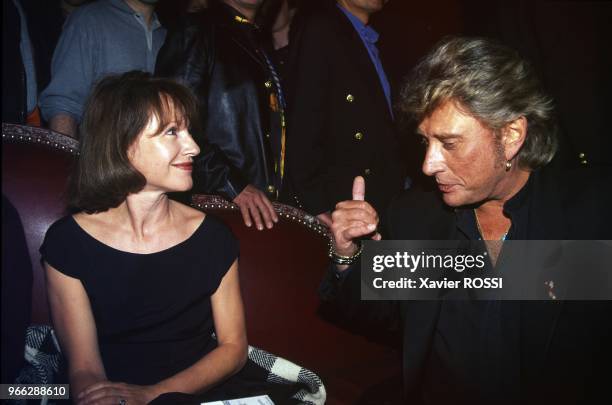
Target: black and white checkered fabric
42, 359
282, 371
43, 356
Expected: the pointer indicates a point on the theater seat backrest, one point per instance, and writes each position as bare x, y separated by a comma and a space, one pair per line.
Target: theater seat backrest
35, 167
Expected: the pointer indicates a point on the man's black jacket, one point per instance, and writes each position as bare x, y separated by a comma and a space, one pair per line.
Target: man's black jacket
340, 125
218, 57
565, 349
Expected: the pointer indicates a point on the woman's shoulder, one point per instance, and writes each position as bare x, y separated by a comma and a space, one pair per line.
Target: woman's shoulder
204, 225
70, 230
198, 222
63, 228
211, 240
60, 246
97, 225
187, 215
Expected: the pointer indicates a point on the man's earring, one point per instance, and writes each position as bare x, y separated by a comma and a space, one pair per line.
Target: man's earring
508, 165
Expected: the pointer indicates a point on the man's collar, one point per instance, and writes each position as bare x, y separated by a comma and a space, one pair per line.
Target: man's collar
365, 31
519, 200
123, 6
515, 208
515, 203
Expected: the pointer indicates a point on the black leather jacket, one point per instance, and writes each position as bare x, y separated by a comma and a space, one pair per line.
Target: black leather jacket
218, 57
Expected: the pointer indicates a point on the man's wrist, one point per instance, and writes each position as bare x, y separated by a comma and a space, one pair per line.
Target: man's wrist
341, 259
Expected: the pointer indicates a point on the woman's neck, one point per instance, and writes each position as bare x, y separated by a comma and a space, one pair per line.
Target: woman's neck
143, 213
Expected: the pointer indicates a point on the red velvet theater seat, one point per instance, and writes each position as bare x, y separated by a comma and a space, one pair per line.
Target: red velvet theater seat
280, 271
35, 167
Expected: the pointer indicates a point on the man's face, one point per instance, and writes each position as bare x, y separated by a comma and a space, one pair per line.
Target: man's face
465, 156
365, 6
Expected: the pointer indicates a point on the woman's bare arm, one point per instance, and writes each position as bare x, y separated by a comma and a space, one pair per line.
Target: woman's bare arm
76, 329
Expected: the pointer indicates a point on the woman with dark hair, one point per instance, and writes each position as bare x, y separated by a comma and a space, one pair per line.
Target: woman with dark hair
137, 282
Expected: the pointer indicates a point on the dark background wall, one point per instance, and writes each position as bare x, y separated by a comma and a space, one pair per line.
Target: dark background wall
569, 42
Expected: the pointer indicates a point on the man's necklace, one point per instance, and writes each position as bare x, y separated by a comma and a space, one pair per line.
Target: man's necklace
482, 233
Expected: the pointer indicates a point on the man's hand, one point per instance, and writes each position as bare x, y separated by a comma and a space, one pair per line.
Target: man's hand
255, 206
325, 218
107, 392
352, 220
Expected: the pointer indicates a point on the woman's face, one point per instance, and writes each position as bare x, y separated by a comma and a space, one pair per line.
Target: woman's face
164, 156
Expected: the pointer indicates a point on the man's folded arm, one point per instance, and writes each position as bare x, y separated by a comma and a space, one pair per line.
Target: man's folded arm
72, 75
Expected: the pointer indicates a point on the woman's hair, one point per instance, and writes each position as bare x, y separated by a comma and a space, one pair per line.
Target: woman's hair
119, 108
493, 83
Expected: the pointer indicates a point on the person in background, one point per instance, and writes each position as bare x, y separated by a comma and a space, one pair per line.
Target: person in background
341, 119
274, 19
281, 23
19, 85
45, 21
172, 13
218, 54
104, 37
137, 283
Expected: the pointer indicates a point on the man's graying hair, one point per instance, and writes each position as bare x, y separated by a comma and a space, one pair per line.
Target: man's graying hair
493, 83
